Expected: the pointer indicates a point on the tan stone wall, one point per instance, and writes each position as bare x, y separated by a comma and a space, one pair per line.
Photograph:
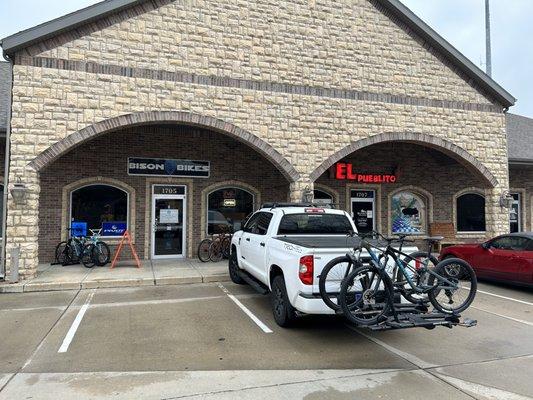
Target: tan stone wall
326, 43
330, 44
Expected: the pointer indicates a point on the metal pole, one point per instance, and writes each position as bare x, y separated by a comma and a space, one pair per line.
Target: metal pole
6, 177
488, 41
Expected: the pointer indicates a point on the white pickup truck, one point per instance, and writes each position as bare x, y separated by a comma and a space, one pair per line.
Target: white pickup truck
283, 248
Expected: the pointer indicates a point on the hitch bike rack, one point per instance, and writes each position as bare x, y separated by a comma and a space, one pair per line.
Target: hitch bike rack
418, 316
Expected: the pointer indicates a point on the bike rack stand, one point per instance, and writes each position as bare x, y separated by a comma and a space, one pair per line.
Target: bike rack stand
418, 316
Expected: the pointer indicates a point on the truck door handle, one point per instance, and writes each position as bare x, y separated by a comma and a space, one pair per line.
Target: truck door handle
262, 245
247, 239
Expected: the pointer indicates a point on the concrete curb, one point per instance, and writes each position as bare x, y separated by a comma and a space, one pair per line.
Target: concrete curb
108, 284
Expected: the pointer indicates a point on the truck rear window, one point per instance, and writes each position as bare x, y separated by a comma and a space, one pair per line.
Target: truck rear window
314, 224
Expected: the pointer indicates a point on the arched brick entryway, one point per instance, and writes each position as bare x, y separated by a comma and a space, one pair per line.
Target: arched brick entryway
445, 146
177, 117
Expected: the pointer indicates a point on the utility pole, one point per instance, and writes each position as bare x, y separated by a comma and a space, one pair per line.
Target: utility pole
488, 59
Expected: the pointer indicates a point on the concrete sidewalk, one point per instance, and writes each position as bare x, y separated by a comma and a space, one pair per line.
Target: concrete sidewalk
153, 272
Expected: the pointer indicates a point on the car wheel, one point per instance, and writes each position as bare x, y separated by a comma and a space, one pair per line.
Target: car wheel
284, 312
233, 267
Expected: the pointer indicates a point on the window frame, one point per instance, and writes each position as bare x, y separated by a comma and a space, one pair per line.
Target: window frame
128, 222
456, 205
223, 188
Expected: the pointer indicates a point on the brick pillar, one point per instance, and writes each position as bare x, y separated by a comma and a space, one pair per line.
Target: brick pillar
22, 228
298, 187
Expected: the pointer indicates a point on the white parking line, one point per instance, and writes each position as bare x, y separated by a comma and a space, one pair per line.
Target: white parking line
75, 325
406, 356
504, 316
257, 321
505, 297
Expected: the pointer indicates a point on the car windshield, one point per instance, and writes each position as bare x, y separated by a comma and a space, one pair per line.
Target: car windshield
314, 224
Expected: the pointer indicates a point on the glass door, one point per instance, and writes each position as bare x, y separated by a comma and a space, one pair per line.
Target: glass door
169, 226
515, 213
364, 210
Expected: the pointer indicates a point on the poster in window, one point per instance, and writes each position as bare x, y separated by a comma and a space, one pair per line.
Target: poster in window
169, 216
363, 215
408, 215
114, 228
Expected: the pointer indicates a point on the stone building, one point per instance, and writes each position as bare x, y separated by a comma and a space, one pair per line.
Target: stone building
176, 118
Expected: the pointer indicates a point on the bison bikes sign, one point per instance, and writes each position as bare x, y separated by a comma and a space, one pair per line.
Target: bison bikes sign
163, 167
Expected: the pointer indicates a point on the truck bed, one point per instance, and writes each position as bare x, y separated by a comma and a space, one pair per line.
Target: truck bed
318, 242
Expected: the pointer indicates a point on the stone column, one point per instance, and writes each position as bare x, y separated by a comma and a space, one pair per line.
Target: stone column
22, 227
298, 188
497, 217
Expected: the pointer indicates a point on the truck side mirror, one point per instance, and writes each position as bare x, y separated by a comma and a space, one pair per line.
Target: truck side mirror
485, 245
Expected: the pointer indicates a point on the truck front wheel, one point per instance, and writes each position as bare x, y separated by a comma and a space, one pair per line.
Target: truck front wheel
284, 312
233, 266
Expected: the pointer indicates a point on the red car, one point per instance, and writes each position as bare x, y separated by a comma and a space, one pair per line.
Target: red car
505, 258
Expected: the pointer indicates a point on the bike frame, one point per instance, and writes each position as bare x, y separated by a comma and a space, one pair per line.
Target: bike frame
393, 253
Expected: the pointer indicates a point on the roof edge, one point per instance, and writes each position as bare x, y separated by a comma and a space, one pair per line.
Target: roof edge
27, 37
442, 45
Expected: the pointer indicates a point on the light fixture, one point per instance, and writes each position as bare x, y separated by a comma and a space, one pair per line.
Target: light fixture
308, 195
506, 200
19, 191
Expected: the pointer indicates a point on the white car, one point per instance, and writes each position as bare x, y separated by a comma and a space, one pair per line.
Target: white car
283, 249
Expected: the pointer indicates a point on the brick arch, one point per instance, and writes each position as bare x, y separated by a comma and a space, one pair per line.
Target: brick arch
178, 117
459, 154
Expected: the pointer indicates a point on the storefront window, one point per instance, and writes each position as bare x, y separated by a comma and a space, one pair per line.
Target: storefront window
323, 198
100, 207
227, 209
515, 213
471, 213
408, 213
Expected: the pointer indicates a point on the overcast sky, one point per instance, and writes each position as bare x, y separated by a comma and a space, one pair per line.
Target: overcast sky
461, 22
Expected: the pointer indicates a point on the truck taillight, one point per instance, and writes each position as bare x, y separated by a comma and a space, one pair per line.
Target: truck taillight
307, 266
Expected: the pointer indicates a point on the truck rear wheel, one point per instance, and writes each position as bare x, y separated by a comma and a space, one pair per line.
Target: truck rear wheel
284, 312
233, 267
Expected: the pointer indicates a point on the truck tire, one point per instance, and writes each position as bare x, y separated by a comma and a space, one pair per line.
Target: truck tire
284, 312
233, 267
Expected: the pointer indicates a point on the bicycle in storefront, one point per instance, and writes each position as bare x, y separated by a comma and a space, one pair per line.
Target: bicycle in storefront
88, 250
215, 248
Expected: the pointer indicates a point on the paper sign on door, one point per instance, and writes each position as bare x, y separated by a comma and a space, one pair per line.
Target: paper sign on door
169, 216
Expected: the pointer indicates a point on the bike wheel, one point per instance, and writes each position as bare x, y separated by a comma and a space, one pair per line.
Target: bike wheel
87, 256
63, 253
415, 260
215, 250
226, 247
365, 297
101, 253
203, 250
452, 299
331, 278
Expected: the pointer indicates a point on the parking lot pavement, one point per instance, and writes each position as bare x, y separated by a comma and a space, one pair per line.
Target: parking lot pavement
194, 341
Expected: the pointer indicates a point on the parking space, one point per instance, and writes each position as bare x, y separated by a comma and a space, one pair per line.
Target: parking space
197, 332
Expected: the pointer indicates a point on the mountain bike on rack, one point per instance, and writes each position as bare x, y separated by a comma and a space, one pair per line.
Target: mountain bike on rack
367, 293
339, 268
